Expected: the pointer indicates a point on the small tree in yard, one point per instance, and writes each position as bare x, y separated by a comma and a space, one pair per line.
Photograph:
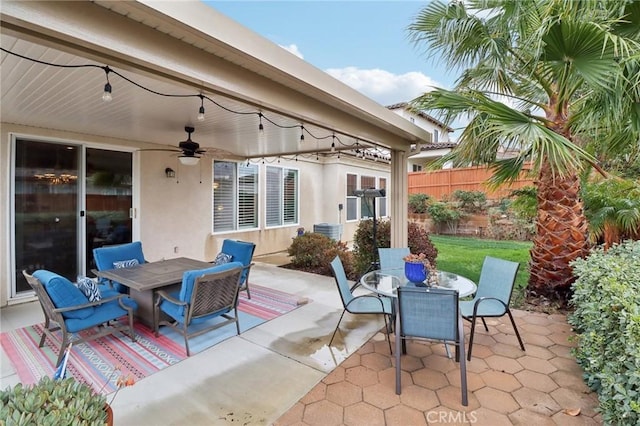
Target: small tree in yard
557, 83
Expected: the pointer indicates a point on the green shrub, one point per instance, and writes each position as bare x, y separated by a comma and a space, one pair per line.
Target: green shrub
444, 214
314, 252
418, 203
606, 297
470, 201
418, 240
363, 242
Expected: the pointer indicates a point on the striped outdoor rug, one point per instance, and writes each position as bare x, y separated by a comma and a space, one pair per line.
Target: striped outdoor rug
94, 362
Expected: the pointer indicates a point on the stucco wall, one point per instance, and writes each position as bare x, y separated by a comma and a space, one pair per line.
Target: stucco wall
173, 216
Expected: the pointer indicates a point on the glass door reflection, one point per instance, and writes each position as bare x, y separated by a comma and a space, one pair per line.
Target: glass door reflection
46, 209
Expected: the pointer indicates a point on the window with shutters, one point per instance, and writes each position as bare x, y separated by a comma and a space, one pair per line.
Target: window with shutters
382, 201
282, 196
352, 200
235, 196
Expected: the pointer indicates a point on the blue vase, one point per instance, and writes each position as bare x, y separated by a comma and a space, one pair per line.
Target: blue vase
415, 272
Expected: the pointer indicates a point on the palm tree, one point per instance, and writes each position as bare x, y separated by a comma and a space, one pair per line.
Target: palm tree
547, 79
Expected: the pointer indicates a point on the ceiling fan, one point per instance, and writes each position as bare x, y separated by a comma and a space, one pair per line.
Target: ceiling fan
190, 151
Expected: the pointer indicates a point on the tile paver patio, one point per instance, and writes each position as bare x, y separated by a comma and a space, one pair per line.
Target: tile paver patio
506, 385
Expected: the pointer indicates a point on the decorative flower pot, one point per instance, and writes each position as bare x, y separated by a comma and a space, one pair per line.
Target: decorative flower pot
415, 272
109, 411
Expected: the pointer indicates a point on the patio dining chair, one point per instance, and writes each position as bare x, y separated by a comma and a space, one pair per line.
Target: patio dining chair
67, 309
429, 313
118, 256
205, 296
363, 304
392, 258
241, 251
493, 296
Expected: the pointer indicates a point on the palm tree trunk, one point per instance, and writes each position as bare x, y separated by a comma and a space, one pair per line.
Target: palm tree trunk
561, 235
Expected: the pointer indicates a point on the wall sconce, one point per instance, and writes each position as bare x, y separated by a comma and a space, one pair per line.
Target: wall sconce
169, 172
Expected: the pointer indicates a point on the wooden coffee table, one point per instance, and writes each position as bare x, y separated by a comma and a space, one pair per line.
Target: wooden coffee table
144, 280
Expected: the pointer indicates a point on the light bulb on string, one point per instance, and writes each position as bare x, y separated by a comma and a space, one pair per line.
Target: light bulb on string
201, 110
301, 133
333, 144
262, 138
106, 94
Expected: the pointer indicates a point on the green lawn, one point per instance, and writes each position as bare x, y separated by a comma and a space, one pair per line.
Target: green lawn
464, 256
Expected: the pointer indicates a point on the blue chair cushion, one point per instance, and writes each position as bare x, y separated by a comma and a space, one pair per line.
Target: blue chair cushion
184, 294
64, 294
240, 251
106, 257
101, 314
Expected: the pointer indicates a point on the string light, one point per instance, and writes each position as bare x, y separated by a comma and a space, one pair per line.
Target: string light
107, 96
201, 110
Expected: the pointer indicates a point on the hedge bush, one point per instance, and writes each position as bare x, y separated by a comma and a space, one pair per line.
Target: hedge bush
417, 236
606, 297
314, 252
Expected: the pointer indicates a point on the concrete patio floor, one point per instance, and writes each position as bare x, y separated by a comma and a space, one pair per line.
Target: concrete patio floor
283, 372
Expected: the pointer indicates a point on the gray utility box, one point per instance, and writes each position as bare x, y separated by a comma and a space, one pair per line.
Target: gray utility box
331, 230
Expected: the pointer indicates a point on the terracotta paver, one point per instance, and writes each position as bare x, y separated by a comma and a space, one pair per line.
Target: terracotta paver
506, 386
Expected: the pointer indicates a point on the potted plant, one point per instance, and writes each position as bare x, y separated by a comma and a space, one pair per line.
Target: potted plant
418, 269
54, 402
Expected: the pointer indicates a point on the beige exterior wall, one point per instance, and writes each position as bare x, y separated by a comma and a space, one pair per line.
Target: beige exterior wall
173, 216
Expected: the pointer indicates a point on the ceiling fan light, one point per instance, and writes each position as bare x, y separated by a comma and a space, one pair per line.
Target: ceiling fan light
188, 160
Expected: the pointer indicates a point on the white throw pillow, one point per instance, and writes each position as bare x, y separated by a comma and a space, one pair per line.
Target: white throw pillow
89, 288
222, 258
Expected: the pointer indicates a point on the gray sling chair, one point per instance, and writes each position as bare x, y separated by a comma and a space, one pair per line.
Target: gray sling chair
364, 304
430, 313
495, 287
392, 258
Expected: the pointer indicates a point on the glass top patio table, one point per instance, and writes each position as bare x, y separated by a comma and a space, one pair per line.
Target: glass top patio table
386, 281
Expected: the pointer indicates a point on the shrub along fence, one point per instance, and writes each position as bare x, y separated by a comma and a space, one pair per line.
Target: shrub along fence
606, 297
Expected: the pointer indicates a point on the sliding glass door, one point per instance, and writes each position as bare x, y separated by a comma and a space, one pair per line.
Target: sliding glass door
68, 199
46, 206
108, 200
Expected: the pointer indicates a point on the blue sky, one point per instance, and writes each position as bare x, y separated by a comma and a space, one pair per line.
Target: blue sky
362, 43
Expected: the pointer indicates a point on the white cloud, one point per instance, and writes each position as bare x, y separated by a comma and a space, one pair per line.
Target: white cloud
385, 87
293, 48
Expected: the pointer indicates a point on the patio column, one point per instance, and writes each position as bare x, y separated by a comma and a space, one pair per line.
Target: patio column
399, 199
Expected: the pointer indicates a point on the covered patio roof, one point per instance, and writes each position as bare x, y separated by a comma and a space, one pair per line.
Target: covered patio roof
178, 48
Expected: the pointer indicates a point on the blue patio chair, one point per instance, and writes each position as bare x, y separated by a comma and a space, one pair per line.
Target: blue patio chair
430, 313
241, 251
205, 295
364, 304
121, 255
492, 298
67, 309
392, 258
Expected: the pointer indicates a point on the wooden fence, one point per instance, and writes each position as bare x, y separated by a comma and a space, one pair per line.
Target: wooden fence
441, 183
